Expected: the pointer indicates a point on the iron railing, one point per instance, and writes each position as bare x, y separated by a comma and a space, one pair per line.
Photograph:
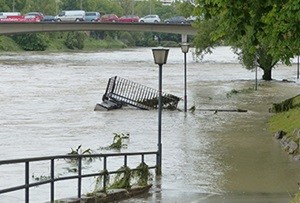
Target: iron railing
52, 179
124, 91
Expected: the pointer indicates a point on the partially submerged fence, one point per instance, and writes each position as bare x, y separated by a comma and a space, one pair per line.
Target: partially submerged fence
79, 158
122, 91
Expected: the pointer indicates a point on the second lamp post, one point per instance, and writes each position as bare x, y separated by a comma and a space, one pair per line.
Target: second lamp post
185, 49
160, 57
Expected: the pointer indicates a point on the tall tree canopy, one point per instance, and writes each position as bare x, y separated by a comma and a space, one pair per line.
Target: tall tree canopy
249, 27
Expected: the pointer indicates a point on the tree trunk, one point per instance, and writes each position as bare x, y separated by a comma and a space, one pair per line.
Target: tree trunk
267, 74
265, 62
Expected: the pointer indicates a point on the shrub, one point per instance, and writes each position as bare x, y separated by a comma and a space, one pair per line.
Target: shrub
32, 41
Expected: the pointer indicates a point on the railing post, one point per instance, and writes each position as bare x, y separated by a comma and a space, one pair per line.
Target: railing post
125, 160
52, 181
79, 176
143, 158
27, 182
104, 176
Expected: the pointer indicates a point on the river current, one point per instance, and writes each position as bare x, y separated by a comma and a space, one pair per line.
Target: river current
47, 105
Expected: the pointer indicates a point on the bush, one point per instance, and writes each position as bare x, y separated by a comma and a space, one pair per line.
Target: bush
32, 41
126, 38
8, 44
75, 40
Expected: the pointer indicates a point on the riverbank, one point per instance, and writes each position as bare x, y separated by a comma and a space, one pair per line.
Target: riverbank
285, 125
7, 44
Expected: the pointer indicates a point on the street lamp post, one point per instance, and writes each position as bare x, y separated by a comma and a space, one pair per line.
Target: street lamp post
185, 48
298, 68
160, 57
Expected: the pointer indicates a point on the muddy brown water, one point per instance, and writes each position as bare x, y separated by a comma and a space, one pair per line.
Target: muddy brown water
47, 103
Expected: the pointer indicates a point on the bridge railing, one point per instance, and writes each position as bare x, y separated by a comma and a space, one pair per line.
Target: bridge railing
79, 176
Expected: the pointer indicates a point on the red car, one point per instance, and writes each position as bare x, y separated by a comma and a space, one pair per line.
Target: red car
129, 19
37, 16
109, 18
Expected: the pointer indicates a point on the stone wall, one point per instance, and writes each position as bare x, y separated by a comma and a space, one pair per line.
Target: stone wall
289, 143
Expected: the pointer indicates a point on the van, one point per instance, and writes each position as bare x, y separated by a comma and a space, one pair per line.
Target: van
92, 16
11, 17
75, 15
5, 14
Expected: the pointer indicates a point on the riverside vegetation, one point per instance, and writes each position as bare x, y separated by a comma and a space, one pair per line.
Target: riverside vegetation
285, 124
127, 182
83, 41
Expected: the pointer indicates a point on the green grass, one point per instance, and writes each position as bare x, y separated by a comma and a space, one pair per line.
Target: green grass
8, 44
296, 199
93, 44
286, 121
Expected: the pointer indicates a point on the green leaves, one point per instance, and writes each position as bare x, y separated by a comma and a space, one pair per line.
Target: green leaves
32, 41
263, 32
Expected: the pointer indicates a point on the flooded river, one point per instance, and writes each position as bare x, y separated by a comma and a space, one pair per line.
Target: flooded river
47, 107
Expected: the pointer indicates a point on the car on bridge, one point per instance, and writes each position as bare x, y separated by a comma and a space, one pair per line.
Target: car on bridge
129, 19
11, 17
176, 20
92, 16
37, 15
192, 19
70, 15
109, 18
48, 18
150, 19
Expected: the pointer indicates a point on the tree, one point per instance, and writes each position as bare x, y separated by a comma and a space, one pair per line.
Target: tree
282, 29
244, 25
44, 6
32, 41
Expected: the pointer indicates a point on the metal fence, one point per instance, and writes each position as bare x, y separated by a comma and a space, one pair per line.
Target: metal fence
127, 92
79, 158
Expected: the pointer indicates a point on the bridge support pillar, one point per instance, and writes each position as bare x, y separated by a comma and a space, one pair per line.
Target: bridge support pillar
183, 38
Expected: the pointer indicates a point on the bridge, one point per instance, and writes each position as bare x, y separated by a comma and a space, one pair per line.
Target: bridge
29, 27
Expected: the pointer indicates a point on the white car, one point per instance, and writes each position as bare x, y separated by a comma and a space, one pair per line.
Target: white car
150, 19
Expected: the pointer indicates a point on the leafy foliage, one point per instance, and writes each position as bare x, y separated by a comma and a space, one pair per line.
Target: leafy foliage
79, 151
253, 28
118, 141
99, 182
122, 179
8, 44
32, 41
142, 174
75, 40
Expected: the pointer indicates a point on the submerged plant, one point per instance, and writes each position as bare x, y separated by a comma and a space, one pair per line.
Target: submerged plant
74, 161
234, 92
99, 182
142, 174
118, 141
122, 179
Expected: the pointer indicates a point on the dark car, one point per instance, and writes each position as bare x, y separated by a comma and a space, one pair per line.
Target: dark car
48, 18
176, 19
129, 19
109, 18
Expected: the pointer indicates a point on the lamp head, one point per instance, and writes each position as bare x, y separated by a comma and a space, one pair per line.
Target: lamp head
185, 47
160, 55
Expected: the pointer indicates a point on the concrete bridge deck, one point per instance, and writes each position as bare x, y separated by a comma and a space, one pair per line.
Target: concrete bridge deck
29, 27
